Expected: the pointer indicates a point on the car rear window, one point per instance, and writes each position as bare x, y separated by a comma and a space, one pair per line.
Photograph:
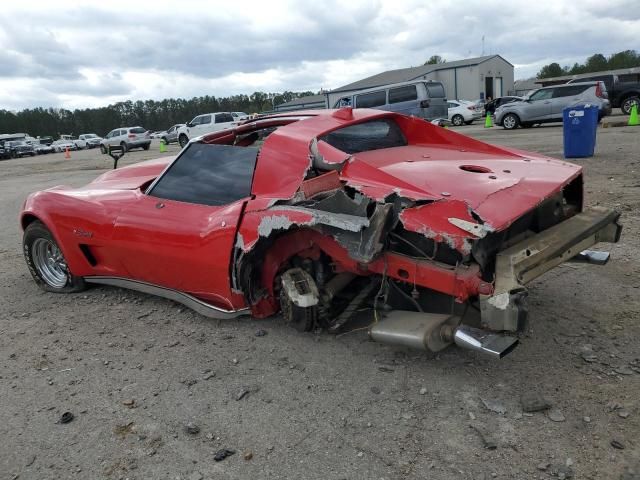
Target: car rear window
137, 130
403, 94
224, 117
362, 137
371, 100
435, 90
210, 175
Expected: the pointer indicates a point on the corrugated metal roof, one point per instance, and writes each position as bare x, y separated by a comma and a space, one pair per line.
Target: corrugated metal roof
411, 73
566, 78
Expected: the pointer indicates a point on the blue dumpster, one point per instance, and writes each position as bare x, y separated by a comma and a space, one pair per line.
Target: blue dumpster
580, 124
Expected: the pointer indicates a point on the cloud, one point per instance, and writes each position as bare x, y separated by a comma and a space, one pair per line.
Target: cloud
78, 54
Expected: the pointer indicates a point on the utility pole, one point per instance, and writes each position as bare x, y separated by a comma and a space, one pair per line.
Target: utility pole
483, 45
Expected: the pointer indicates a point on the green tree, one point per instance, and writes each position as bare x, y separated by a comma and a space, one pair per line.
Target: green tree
552, 70
435, 60
596, 63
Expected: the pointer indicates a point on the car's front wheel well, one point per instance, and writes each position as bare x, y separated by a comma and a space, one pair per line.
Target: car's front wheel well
27, 219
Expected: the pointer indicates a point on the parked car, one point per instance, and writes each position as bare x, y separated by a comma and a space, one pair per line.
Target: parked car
4, 154
63, 145
203, 124
546, 104
127, 138
171, 135
45, 140
237, 116
78, 142
19, 148
418, 98
91, 140
339, 210
460, 113
43, 148
490, 106
623, 90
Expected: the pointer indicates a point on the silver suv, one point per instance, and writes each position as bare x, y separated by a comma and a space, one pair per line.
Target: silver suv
127, 138
546, 104
171, 135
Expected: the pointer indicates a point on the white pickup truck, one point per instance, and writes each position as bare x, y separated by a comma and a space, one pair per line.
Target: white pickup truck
203, 124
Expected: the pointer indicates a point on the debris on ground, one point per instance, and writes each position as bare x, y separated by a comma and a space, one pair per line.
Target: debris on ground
375, 390
261, 332
494, 406
617, 444
191, 428
555, 415
489, 442
534, 402
222, 454
248, 455
66, 417
131, 403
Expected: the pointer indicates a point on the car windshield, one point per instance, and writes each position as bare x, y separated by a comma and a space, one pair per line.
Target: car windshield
90, 135
137, 130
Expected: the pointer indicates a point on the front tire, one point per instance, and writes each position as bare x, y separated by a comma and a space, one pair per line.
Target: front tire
103, 149
457, 120
46, 263
124, 146
146, 147
628, 103
510, 121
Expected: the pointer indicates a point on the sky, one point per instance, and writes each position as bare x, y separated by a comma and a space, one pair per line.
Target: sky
79, 54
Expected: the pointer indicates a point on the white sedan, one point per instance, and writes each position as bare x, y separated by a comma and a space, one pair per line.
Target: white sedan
462, 112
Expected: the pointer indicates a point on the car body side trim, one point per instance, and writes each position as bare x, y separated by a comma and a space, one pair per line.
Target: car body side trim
187, 300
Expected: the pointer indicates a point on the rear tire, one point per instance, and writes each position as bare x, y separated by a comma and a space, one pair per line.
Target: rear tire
125, 147
628, 103
103, 149
457, 120
510, 121
146, 147
46, 262
183, 140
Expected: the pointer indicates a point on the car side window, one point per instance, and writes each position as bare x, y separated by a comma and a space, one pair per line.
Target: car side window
205, 119
542, 94
451, 105
403, 94
569, 91
210, 175
224, 117
371, 100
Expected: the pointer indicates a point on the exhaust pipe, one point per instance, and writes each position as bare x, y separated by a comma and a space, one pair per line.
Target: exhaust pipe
434, 332
492, 344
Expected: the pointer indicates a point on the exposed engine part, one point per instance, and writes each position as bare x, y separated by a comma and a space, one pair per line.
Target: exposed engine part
299, 300
493, 344
336, 284
434, 332
592, 257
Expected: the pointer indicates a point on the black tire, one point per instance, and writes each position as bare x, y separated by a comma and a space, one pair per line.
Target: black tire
33, 154
457, 120
302, 319
103, 149
628, 103
183, 140
36, 233
124, 146
146, 147
14, 155
511, 121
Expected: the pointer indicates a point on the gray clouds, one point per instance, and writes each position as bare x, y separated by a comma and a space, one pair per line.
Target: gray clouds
76, 54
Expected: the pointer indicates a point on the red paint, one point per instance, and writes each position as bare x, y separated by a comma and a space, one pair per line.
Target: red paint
190, 247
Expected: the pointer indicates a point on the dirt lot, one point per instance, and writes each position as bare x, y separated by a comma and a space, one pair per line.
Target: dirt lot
135, 370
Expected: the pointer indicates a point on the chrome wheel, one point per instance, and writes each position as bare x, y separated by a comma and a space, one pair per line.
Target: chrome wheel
48, 260
510, 122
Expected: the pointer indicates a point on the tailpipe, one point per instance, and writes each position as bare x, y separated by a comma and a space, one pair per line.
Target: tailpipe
493, 344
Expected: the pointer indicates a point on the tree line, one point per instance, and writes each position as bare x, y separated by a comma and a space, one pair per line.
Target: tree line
595, 63
150, 114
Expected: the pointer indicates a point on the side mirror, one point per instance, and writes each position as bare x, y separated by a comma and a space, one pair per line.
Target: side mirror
189, 124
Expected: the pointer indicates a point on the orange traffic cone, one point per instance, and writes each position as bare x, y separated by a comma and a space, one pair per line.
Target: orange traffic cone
66, 153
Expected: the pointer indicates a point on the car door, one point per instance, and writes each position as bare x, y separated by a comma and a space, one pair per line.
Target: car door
203, 126
180, 234
538, 105
565, 96
222, 121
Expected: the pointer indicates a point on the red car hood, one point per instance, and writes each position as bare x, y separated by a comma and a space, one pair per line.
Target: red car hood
497, 186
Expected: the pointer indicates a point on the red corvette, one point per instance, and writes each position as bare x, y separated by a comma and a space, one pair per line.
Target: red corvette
320, 213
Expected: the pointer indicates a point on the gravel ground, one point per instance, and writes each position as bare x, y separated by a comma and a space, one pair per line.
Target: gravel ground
157, 390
